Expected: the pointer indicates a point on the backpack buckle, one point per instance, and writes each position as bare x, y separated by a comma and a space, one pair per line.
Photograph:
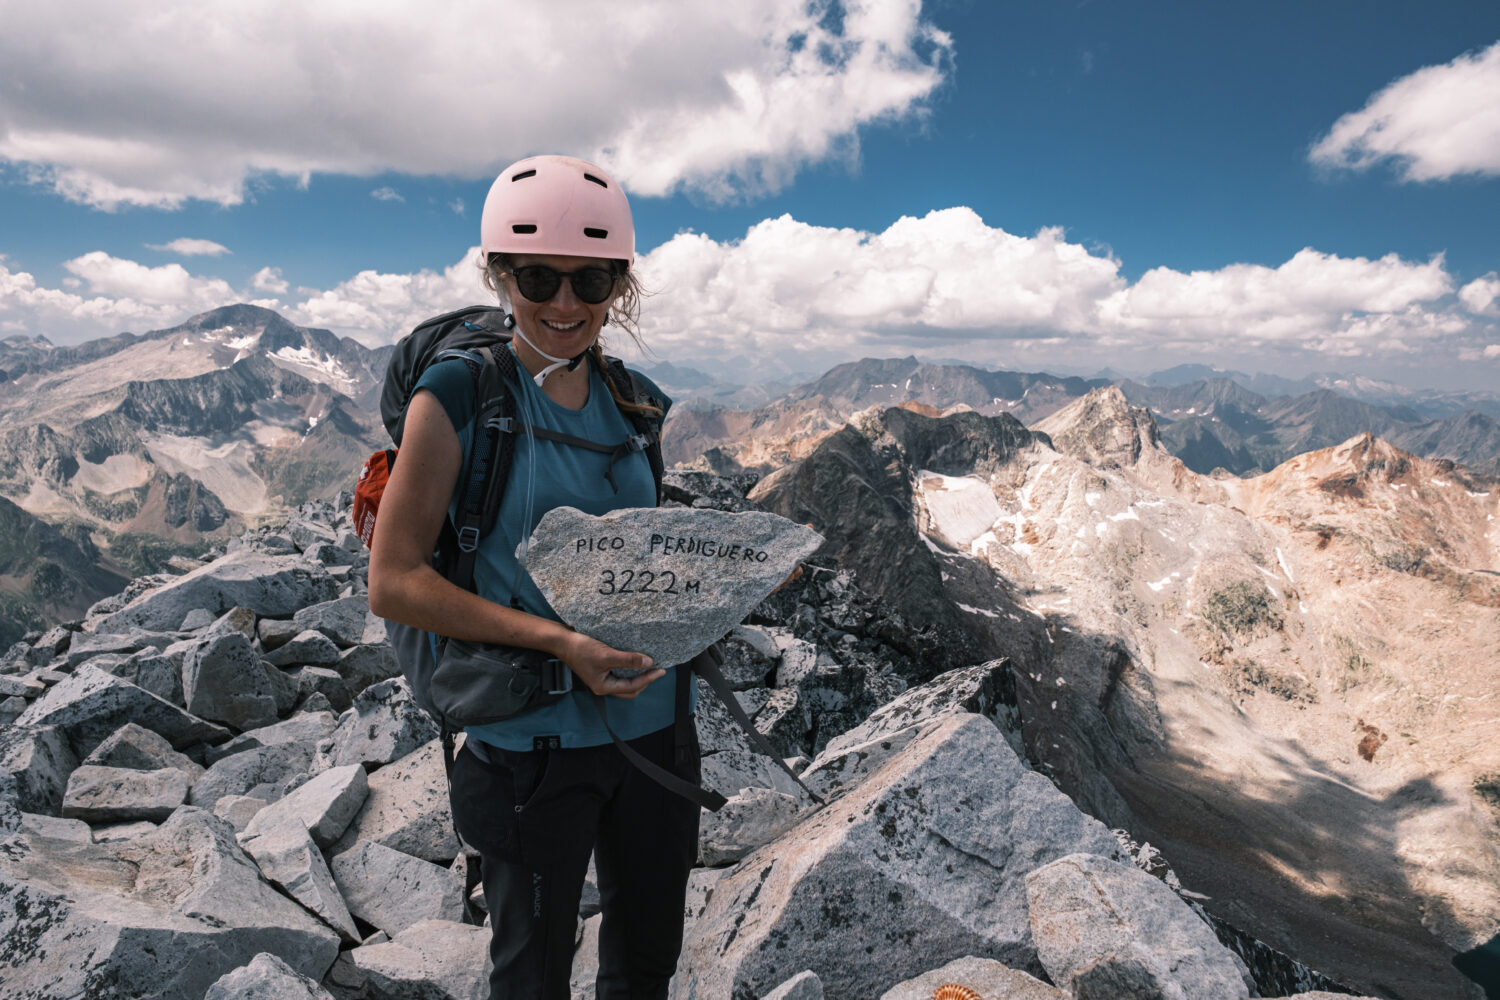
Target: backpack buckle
638, 442
505, 425
556, 677
468, 538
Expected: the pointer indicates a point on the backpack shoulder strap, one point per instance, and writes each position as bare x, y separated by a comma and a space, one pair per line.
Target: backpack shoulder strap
491, 444
468, 328
634, 388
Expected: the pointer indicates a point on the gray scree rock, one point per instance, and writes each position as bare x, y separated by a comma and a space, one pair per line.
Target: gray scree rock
662, 581
1105, 929
268, 773
90, 705
407, 809
431, 960
392, 891
752, 817
41, 760
135, 747
342, 620
222, 680
289, 859
10, 813
306, 728
162, 915
927, 857
274, 586
75, 830
266, 978
117, 794
238, 810
384, 724
325, 805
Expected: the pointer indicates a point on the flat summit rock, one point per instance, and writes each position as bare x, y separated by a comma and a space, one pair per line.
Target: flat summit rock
664, 581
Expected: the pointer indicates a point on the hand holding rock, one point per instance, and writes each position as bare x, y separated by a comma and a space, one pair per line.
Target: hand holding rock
595, 663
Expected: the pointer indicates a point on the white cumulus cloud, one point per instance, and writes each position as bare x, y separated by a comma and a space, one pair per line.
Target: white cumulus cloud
1480, 295
718, 98
378, 308
120, 295
269, 279
170, 284
1314, 300
1436, 123
188, 247
386, 194
947, 276
946, 284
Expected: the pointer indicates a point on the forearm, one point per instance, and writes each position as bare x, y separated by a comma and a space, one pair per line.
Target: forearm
423, 599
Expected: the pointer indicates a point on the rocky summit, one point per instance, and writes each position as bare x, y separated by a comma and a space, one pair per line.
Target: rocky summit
996, 672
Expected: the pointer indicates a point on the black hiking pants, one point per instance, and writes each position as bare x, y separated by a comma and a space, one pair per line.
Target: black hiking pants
535, 817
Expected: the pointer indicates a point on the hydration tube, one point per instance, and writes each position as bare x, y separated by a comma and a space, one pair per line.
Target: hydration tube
541, 376
524, 412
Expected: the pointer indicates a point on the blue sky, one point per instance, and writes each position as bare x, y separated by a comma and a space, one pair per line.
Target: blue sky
1291, 187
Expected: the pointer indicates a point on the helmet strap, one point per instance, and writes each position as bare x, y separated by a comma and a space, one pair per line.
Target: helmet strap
571, 364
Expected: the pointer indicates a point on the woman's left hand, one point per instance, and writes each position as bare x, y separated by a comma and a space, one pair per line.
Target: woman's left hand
594, 663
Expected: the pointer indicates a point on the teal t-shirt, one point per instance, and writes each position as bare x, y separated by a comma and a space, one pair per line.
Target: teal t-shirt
544, 475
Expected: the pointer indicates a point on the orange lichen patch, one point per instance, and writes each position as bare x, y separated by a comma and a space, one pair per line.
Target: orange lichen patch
922, 408
1029, 535
1371, 741
953, 991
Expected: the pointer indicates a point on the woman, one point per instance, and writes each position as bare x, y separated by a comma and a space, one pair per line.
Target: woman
535, 795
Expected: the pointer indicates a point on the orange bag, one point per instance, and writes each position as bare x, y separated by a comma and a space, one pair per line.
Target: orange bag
369, 489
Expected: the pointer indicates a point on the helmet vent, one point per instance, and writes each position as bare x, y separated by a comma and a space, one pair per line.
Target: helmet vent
523, 228
522, 175
598, 234
591, 177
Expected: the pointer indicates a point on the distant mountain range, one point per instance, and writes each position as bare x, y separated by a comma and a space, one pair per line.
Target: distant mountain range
1211, 423
138, 447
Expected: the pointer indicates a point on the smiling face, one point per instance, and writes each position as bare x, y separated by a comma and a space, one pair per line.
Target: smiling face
563, 326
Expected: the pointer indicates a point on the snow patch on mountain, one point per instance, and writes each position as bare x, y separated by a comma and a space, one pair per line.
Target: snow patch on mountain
961, 508
315, 366
226, 469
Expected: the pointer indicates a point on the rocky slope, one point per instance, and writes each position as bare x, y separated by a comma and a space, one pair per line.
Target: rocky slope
223, 764
1300, 729
45, 572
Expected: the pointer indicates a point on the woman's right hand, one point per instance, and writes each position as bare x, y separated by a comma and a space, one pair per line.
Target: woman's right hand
592, 661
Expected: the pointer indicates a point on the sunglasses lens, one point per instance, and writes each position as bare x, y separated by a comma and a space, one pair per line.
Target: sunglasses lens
592, 284
537, 282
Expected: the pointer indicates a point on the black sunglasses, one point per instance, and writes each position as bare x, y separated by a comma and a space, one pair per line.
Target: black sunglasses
539, 283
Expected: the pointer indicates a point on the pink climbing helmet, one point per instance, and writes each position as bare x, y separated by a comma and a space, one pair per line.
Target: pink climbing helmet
557, 205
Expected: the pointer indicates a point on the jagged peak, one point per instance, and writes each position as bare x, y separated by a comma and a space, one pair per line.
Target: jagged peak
1347, 468
1102, 429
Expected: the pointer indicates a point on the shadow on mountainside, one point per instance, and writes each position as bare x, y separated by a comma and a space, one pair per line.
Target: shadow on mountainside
1308, 864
